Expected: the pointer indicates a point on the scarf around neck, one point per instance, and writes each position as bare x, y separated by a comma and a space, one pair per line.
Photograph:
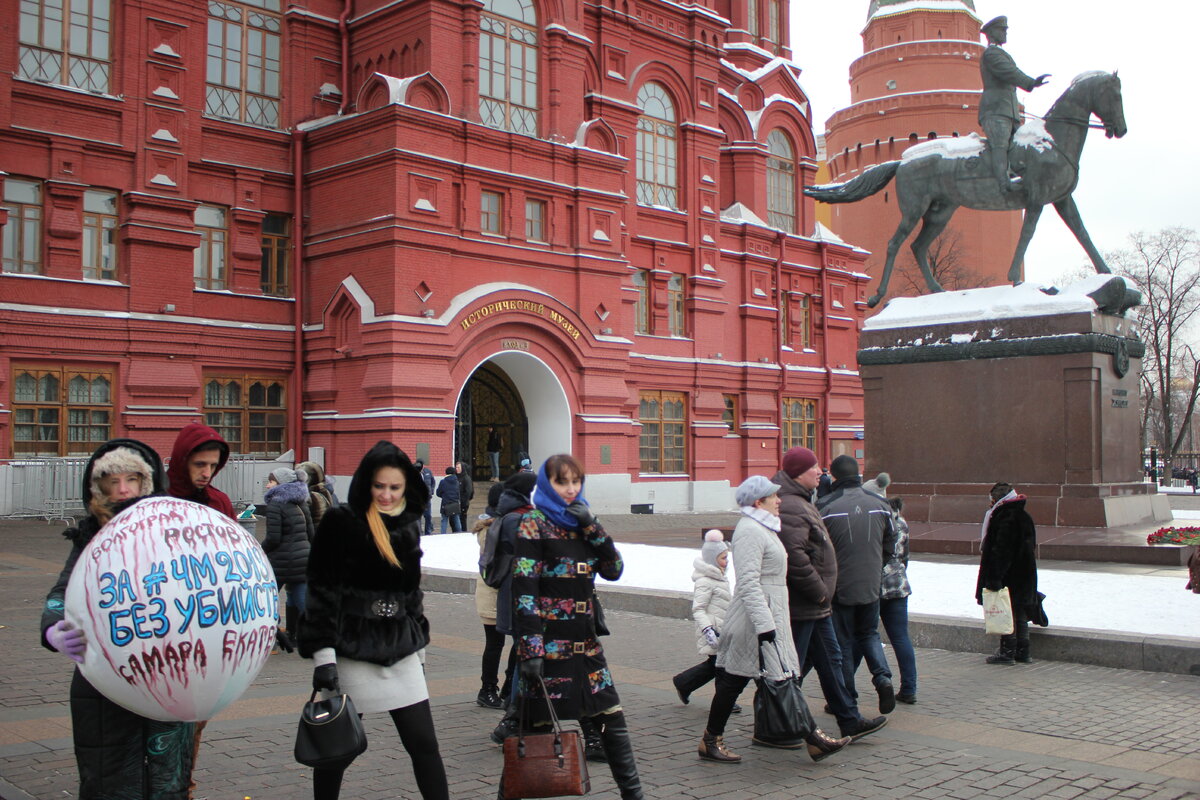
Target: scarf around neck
546, 500
1012, 495
762, 517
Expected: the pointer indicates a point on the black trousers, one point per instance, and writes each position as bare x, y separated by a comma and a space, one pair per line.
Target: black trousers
728, 688
493, 649
415, 726
693, 678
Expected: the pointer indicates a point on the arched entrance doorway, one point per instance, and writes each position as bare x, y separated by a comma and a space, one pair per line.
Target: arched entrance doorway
509, 390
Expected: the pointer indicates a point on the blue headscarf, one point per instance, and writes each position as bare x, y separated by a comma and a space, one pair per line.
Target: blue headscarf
546, 500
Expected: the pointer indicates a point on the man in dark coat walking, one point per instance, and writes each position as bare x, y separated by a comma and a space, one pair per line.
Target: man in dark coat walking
1008, 558
811, 579
860, 525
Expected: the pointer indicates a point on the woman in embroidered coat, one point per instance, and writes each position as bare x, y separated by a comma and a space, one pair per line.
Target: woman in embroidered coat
365, 624
560, 548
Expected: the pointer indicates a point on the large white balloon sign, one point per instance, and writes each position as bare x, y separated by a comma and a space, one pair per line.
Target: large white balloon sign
179, 605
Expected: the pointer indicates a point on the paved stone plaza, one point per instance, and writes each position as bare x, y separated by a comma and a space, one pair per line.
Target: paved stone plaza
1051, 730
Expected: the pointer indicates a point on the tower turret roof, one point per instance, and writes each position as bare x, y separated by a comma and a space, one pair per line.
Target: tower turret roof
886, 8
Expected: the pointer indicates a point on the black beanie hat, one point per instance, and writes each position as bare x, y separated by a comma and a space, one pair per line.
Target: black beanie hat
843, 467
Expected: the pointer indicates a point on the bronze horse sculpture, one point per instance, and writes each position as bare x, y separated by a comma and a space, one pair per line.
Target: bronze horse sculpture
932, 187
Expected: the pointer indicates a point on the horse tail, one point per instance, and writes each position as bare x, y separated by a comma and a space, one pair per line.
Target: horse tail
865, 185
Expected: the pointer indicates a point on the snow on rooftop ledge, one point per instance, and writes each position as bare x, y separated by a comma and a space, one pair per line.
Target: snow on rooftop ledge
989, 303
823, 234
920, 5
739, 213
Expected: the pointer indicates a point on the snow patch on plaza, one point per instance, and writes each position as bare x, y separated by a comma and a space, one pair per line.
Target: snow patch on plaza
1105, 601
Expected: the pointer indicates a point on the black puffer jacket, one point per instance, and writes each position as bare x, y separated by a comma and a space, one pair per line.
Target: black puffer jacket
812, 570
289, 531
860, 526
119, 753
358, 603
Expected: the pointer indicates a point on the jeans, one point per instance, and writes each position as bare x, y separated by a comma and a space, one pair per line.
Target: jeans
454, 521
429, 519
894, 616
817, 643
494, 458
858, 634
297, 595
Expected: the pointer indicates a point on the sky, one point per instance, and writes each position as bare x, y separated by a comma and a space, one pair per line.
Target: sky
1146, 181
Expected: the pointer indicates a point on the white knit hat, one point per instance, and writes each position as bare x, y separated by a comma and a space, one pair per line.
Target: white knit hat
714, 545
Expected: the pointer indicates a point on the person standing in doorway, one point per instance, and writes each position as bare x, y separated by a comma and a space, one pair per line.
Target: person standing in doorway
494, 443
198, 455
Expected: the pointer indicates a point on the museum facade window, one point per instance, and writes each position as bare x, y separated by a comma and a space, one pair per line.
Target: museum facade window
662, 444
657, 145
66, 43
61, 410
244, 61
508, 66
798, 423
22, 234
250, 412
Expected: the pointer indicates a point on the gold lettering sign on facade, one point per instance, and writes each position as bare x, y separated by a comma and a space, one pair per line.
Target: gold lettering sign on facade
529, 307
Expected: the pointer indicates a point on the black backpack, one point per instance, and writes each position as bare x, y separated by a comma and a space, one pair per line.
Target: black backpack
493, 567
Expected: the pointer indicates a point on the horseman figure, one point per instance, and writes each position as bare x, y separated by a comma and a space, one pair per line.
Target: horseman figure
999, 115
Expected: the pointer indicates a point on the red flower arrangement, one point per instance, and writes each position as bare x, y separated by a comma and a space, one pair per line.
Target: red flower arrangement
1186, 536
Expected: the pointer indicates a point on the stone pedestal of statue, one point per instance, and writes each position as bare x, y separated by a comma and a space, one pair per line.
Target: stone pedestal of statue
964, 389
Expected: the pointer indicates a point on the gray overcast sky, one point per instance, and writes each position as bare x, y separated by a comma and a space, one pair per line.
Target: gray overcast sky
1146, 181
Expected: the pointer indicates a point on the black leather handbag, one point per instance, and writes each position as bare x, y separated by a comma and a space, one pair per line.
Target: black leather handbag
330, 734
781, 717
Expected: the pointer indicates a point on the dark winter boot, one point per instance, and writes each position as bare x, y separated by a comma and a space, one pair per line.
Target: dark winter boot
1008, 649
1021, 656
593, 748
488, 698
292, 616
508, 726
615, 738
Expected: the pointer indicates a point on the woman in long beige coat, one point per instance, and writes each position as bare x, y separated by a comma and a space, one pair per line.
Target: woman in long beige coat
757, 621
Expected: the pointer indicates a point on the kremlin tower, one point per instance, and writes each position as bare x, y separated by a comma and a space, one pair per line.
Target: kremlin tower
918, 79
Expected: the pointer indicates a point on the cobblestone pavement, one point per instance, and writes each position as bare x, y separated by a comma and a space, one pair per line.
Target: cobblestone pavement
1045, 730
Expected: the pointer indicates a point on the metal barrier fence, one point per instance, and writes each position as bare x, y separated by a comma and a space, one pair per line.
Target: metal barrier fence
52, 488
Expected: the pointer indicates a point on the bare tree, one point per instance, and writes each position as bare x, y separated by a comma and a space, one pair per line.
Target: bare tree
949, 261
1166, 267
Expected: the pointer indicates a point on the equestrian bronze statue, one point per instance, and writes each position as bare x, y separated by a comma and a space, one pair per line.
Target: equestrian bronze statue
934, 178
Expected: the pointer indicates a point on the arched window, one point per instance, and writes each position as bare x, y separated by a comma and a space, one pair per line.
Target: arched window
781, 182
657, 159
508, 66
752, 17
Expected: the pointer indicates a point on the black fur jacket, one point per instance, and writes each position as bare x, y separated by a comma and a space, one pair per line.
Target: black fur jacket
358, 603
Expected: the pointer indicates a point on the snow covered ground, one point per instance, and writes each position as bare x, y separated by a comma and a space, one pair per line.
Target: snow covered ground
1138, 604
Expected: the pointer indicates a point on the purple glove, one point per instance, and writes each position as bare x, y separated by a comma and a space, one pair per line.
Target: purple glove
67, 640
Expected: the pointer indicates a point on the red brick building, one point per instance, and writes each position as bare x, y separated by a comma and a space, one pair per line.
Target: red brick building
318, 224
918, 79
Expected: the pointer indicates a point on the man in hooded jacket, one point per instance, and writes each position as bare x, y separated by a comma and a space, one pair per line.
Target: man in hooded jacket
860, 525
198, 455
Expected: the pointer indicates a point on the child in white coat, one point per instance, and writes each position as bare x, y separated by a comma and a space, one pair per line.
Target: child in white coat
710, 601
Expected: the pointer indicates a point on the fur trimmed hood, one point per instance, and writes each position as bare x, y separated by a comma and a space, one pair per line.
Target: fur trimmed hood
119, 456
291, 492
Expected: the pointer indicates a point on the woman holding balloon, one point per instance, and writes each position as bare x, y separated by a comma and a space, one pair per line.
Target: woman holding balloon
118, 753
365, 624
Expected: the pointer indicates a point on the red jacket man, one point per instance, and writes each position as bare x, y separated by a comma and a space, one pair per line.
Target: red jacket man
198, 455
